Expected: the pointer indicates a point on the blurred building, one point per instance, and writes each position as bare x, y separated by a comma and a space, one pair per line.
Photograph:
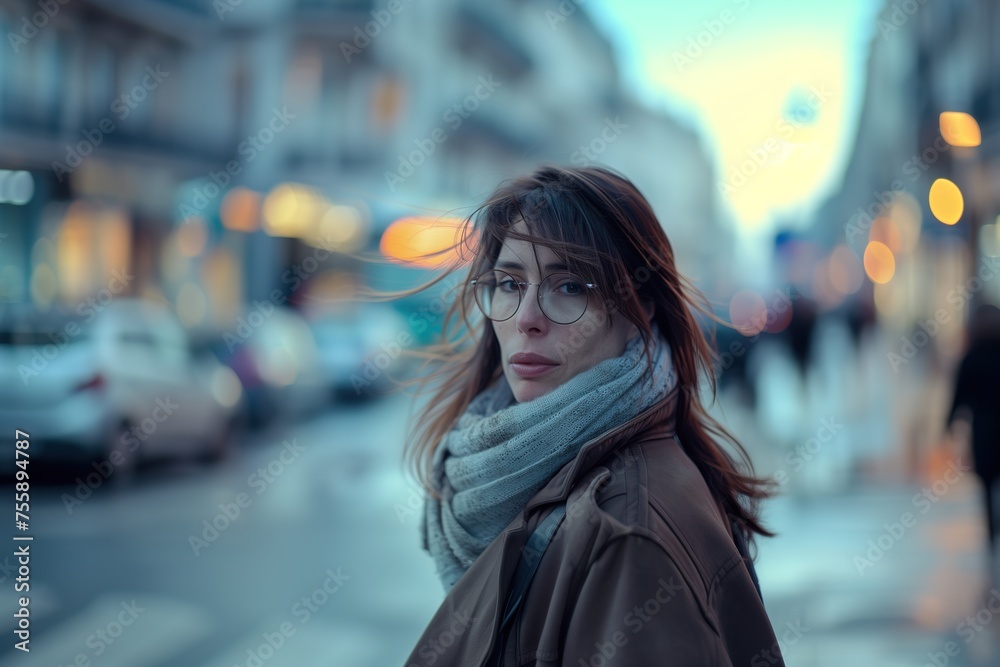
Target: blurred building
219, 150
111, 107
925, 60
668, 163
912, 234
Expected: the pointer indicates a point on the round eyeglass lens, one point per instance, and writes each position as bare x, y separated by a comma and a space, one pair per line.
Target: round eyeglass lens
562, 297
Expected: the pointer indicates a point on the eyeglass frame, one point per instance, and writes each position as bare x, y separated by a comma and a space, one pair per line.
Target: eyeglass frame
522, 288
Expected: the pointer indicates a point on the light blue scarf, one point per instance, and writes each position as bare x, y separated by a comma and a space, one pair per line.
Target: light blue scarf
500, 453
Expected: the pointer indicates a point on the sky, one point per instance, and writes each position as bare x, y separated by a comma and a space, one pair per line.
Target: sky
773, 86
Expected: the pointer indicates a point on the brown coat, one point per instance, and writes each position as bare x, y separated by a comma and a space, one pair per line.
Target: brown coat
642, 571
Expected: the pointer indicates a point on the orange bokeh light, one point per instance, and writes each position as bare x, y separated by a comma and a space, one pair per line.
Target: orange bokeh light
960, 129
880, 264
423, 241
241, 210
946, 201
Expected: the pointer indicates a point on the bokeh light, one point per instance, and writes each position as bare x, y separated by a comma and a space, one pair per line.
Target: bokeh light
241, 210
946, 201
748, 312
960, 129
291, 210
880, 264
409, 240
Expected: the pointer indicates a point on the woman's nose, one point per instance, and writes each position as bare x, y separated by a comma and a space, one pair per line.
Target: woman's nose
529, 315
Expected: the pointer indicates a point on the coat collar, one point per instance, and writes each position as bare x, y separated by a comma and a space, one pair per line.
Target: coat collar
656, 421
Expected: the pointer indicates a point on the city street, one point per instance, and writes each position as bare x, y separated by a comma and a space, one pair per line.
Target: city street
854, 601
227, 228
331, 509
322, 565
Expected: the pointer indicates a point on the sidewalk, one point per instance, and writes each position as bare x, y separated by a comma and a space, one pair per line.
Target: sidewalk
886, 575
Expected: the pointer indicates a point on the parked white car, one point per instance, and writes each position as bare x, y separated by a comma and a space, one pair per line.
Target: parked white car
116, 383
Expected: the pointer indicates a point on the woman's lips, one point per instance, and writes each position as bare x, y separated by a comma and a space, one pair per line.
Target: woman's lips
531, 370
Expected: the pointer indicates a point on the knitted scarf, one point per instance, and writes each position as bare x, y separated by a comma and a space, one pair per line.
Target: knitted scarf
500, 452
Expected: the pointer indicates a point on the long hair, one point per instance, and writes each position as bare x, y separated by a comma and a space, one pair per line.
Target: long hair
602, 227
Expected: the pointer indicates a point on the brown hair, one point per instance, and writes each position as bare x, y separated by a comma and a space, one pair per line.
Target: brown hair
602, 227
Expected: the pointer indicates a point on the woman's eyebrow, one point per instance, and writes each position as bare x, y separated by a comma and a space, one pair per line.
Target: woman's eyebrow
517, 265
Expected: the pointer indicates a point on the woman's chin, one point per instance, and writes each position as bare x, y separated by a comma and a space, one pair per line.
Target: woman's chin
527, 390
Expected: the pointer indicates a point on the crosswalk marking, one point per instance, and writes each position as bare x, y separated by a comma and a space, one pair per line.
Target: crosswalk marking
162, 628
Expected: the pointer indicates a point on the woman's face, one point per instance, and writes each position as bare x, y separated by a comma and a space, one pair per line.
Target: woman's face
569, 348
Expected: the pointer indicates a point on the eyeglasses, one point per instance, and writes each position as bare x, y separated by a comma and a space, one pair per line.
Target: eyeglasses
562, 297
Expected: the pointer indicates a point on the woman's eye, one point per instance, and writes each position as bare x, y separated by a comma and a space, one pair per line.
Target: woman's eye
508, 285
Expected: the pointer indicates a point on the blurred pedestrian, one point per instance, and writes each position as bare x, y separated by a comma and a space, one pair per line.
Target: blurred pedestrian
977, 391
567, 446
800, 334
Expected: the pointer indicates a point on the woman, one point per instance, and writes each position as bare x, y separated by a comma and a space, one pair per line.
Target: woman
574, 408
